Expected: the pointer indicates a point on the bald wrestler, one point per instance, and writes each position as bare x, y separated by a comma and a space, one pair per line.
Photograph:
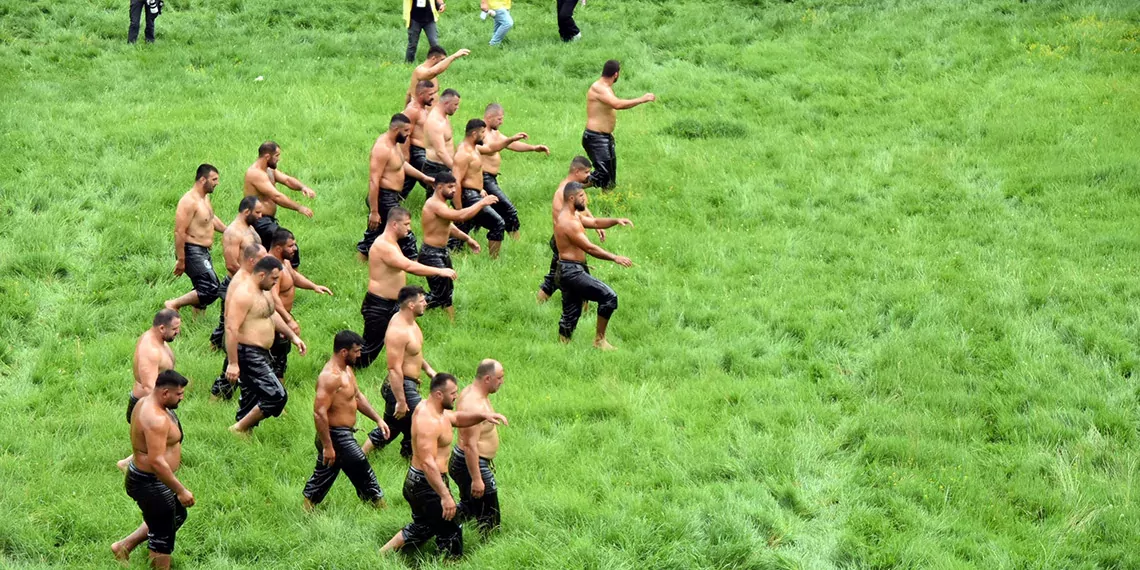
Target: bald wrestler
493, 143
426, 485
473, 459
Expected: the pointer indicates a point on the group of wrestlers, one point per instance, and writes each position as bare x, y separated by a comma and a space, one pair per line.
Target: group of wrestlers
257, 331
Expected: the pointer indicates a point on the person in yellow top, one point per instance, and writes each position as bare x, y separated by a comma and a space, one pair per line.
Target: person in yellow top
421, 15
501, 11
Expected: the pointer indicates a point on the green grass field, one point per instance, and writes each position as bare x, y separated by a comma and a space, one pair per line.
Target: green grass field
883, 312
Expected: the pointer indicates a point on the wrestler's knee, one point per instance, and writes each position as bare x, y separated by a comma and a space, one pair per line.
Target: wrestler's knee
608, 304
272, 406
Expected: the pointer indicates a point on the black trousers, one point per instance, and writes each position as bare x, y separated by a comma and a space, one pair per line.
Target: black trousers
388, 199
161, 511
487, 218
440, 289
432, 169
377, 311
602, 153
265, 226
138, 8
427, 516
350, 459
578, 285
416, 157
414, 28
260, 387
485, 510
548, 283
200, 270
218, 337
566, 26
280, 353
132, 401
504, 207
402, 426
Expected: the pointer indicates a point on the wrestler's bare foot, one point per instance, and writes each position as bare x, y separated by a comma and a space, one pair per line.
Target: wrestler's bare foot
122, 553
542, 297
308, 505
123, 464
242, 433
563, 340
170, 304
602, 344
379, 504
361, 257
450, 313
514, 235
367, 447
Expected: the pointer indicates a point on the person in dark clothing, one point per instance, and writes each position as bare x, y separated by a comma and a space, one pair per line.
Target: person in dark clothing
566, 26
152, 8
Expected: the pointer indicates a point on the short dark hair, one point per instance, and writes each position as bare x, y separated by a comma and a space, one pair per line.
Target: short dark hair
444, 178
571, 190
474, 125
424, 85
449, 93
281, 237
250, 251
440, 380
204, 170
345, 340
164, 317
409, 293
267, 265
399, 119
611, 68
398, 214
436, 50
170, 379
492, 107
267, 147
247, 203
580, 163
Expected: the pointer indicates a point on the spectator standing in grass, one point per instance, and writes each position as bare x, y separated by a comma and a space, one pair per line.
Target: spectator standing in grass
500, 10
421, 15
152, 8
566, 26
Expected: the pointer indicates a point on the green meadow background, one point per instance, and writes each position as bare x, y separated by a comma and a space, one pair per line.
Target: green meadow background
883, 312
